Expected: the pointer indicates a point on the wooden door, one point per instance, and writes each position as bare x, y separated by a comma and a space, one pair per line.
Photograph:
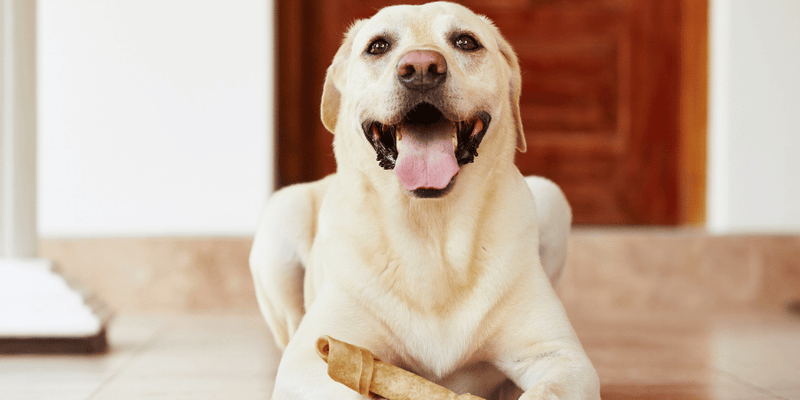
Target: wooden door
603, 97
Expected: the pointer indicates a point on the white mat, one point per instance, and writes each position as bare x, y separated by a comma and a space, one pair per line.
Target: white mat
37, 302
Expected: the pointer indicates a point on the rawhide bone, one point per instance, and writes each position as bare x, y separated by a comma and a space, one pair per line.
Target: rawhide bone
356, 368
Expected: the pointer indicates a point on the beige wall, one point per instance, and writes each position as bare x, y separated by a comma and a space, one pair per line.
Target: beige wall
647, 269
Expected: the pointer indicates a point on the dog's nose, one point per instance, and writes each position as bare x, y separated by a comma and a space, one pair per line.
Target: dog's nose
422, 70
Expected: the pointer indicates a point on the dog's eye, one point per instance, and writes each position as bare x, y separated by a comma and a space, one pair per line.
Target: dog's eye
377, 47
467, 43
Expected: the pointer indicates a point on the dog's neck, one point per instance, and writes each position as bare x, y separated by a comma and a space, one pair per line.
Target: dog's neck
438, 246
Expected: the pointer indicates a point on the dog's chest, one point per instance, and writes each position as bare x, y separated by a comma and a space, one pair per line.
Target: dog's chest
441, 325
435, 297
435, 346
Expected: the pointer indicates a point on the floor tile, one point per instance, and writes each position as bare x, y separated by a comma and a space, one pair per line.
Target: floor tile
762, 349
171, 387
788, 393
750, 355
77, 377
202, 356
683, 391
662, 356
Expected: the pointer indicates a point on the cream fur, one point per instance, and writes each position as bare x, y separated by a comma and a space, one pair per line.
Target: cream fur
457, 289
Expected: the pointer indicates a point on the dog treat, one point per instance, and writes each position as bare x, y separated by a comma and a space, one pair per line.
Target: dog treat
358, 369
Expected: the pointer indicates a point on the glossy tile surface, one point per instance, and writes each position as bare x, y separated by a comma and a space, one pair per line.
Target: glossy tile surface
667, 355
743, 355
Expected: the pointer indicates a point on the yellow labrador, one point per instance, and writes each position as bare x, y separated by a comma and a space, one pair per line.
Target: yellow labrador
428, 246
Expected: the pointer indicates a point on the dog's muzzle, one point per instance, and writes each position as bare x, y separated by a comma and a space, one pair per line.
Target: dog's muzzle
425, 149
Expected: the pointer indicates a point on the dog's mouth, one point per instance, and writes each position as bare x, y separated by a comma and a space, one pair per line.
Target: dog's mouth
425, 149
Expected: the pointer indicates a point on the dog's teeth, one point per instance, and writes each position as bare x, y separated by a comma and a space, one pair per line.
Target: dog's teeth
376, 133
398, 133
478, 126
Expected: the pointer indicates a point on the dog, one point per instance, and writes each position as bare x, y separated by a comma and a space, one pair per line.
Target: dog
427, 246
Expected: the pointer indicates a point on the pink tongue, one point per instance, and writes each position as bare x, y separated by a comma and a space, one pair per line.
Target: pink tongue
426, 155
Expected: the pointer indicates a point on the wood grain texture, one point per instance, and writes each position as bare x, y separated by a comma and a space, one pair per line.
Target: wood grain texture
694, 111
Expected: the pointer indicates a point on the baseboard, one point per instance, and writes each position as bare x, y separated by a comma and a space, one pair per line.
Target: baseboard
679, 269
608, 268
159, 274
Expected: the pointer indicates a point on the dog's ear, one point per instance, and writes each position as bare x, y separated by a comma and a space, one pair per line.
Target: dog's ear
335, 79
515, 87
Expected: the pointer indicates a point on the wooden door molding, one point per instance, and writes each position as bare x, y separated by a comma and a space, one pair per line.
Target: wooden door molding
613, 99
693, 112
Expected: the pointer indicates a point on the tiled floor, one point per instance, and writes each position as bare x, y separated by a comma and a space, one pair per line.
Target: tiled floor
201, 356
745, 355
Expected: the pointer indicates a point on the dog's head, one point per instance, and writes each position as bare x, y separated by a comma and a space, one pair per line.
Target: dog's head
428, 88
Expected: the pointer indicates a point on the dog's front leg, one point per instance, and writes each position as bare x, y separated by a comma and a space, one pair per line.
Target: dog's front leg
280, 253
302, 374
540, 352
556, 369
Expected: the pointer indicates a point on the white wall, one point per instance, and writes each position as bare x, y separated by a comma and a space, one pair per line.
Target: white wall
754, 118
155, 116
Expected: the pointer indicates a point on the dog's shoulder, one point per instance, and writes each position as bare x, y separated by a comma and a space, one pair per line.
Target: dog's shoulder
289, 220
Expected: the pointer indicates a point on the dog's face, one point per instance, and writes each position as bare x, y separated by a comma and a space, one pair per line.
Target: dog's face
425, 86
